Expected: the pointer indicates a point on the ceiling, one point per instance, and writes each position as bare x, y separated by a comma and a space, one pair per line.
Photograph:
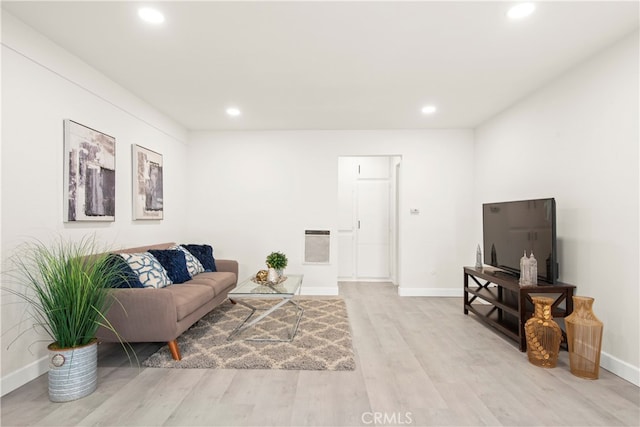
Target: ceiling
330, 65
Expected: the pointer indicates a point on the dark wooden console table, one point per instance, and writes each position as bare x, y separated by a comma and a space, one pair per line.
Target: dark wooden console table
497, 299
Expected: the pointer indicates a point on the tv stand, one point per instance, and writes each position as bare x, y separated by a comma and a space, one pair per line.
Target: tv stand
504, 305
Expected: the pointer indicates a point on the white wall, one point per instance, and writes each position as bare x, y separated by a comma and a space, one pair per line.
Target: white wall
41, 86
254, 192
576, 140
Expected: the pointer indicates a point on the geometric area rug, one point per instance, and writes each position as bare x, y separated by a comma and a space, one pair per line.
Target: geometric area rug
323, 340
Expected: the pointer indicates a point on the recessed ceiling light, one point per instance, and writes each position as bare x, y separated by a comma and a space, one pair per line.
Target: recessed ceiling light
232, 111
152, 16
521, 10
429, 109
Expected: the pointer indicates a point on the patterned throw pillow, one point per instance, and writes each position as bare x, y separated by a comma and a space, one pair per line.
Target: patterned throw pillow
193, 265
123, 277
149, 270
204, 253
174, 263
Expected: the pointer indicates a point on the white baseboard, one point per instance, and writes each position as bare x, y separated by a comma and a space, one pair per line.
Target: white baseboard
319, 290
18, 378
620, 368
429, 292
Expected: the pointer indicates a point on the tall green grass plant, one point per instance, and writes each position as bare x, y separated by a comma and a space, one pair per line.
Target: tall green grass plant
66, 285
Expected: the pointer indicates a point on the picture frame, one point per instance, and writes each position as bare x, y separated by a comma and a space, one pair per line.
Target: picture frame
89, 174
147, 177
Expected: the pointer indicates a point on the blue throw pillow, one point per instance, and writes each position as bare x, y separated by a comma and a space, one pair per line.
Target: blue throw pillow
124, 276
174, 262
204, 254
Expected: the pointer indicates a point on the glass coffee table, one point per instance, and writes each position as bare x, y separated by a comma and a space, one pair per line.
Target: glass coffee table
284, 291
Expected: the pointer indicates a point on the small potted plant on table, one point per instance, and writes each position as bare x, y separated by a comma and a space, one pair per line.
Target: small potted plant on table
277, 262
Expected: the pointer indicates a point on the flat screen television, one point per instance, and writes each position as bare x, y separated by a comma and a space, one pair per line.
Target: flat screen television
511, 228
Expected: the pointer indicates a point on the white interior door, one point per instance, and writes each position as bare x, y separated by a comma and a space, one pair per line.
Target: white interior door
366, 202
373, 229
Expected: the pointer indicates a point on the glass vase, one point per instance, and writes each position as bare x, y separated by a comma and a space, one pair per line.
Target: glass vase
584, 336
543, 334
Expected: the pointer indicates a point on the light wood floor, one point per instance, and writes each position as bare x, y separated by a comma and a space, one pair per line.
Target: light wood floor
420, 362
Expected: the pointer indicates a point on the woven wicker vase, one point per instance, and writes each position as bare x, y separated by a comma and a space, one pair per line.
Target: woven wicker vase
543, 335
584, 336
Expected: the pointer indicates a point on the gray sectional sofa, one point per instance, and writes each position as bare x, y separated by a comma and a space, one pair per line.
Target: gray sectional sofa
161, 315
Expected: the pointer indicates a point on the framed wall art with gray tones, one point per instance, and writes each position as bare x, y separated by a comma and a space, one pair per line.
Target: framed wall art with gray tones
148, 201
89, 174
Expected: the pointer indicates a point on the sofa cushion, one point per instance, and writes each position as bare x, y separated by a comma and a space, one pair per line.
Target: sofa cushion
174, 263
149, 270
189, 297
193, 265
204, 253
218, 281
124, 277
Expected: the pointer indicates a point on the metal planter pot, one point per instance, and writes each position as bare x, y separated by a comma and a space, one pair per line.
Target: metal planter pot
73, 372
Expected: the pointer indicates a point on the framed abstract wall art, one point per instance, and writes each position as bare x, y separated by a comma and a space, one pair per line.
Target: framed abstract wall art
148, 202
89, 174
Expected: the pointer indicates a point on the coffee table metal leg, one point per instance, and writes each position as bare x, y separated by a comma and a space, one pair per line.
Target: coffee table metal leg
293, 332
244, 325
240, 328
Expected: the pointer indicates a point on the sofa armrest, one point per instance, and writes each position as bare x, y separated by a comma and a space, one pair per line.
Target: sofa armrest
228, 265
141, 315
